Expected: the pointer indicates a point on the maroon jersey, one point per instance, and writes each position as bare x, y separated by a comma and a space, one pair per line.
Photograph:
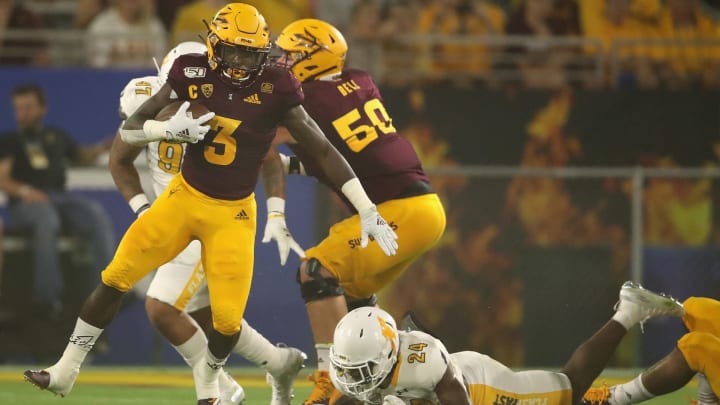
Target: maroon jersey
226, 164
351, 113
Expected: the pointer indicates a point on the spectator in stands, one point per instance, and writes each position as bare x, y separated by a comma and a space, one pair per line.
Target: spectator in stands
363, 37
616, 22
690, 65
540, 64
16, 50
337, 12
454, 58
280, 13
33, 163
166, 11
402, 59
188, 24
126, 35
86, 11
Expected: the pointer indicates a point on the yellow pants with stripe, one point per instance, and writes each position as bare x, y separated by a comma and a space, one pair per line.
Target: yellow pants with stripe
226, 231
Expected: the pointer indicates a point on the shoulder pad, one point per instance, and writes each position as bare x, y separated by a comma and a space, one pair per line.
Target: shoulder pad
135, 93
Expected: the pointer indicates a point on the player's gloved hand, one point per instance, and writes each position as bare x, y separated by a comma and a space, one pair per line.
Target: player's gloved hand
276, 229
392, 400
372, 224
182, 127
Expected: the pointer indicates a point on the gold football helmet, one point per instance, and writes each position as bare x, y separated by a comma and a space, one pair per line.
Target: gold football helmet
238, 43
311, 49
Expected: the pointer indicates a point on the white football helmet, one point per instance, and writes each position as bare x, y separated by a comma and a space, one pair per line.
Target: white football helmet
183, 48
364, 351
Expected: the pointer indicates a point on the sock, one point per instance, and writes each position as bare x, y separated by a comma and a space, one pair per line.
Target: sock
254, 347
630, 393
706, 396
206, 374
625, 319
193, 350
65, 371
323, 356
82, 340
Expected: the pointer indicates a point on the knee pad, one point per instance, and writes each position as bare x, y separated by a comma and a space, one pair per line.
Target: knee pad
355, 303
318, 287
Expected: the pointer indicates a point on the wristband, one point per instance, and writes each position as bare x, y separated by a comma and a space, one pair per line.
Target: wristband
139, 203
156, 130
276, 205
355, 193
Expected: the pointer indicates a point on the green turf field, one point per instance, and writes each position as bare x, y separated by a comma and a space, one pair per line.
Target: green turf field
160, 386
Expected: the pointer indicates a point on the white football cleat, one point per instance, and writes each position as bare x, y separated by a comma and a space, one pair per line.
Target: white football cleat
231, 393
642, 304
282, 380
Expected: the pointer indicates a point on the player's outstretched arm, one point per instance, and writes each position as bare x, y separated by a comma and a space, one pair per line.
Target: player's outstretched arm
126, 176
306, 132
450, 390
273, 179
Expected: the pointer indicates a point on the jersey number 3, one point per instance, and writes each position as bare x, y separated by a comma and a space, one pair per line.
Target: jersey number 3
223, 146
357, 137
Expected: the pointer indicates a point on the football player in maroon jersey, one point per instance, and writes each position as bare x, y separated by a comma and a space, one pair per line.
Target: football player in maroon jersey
212, 199
337, 274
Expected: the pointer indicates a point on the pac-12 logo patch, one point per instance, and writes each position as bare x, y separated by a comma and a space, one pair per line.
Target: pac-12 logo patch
194, 71
207, 90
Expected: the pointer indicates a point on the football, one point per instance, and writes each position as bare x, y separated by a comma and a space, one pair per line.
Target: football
169, 110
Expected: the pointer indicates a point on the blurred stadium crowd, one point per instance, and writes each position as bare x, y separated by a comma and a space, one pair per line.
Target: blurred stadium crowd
647, 44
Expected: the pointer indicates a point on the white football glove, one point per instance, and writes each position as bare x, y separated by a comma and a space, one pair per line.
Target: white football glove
392, 400
182, 127
372, 224
277, 229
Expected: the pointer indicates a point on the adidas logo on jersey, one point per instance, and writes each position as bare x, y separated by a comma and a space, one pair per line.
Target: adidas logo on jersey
242, 215
254, 99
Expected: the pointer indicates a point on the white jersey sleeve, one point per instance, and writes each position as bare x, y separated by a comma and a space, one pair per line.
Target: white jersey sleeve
164, 159
422, 362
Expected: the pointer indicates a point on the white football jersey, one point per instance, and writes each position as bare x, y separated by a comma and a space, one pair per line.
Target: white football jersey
164, 159
423, 360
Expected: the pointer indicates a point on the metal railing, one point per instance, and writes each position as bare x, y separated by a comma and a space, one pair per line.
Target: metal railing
428, 57
98, 178
492, 57
638, 175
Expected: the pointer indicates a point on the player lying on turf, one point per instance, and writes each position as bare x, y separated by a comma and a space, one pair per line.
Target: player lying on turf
374, 362
698, 351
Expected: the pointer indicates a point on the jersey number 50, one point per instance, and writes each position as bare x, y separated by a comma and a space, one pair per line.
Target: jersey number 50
357, 137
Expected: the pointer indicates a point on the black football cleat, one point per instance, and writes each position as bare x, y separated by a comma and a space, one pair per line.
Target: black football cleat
40, 379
